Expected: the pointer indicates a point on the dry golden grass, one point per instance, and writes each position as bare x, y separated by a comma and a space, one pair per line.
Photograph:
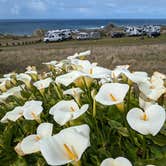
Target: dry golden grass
148, 54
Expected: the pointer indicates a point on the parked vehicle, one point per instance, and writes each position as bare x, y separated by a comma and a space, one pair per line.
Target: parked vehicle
95, 35
53, 37
83, 36
117, 34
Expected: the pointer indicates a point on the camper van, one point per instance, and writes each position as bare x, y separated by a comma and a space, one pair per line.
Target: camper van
83, 36
51, 37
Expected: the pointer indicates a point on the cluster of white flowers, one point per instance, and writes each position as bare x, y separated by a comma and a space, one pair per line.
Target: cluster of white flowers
70, 143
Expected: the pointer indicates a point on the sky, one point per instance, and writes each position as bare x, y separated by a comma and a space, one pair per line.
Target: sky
77, 9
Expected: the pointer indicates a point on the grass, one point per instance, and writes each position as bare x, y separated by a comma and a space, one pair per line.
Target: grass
147, 54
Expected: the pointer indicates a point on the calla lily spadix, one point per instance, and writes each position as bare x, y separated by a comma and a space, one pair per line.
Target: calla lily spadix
147, 122
65, 111
112, 93
66, 146
119, 161
30, 144
68, 78
42, 84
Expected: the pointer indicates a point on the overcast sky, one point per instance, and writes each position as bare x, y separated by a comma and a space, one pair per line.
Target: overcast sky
58, 9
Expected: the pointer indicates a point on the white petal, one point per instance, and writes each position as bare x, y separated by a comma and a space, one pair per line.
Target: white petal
53, 149
30, 144
121, 161
155, 114
64, 106
13, 115
117, 90
62, 117
32, 108
45, 129
73, 91
68, 78
81, 111
135, 122
43, 83
108, 162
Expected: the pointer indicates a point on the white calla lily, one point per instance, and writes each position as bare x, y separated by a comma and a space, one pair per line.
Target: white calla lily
13, 115
15, 91
153, 89
32, 110
136, 77
42, 84
65, 111
81, 54
25, 78
119, 161
73, 92
145, 103
112, 93
68, 78
144, 122
66, 146
30, 144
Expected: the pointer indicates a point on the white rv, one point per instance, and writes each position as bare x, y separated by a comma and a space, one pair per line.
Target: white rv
83, 36
51, 37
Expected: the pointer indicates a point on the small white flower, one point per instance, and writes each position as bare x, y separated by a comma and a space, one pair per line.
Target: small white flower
147, 122
152, 89
73, 92
11, 92
25, 78
65, 111
81, 54
119, 161
112, 93
32, 110
30, 144
66, 146
42, 84
68, 78
13, 115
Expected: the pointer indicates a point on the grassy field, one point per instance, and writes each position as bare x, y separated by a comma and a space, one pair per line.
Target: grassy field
147, 54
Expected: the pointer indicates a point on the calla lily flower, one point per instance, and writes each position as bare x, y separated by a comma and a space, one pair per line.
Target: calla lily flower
159, 75
11, 92
147, 122
145, 103
153, 89
13, 115
42, 84
3, 86
112, 93
66, 146
73, 92
136, 77
31, 70
80, 55
25, 78
68, 78
65, 111
32, 110
51, 63
30, 144
119, 161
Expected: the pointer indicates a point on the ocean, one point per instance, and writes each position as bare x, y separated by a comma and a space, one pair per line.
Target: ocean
27, 27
